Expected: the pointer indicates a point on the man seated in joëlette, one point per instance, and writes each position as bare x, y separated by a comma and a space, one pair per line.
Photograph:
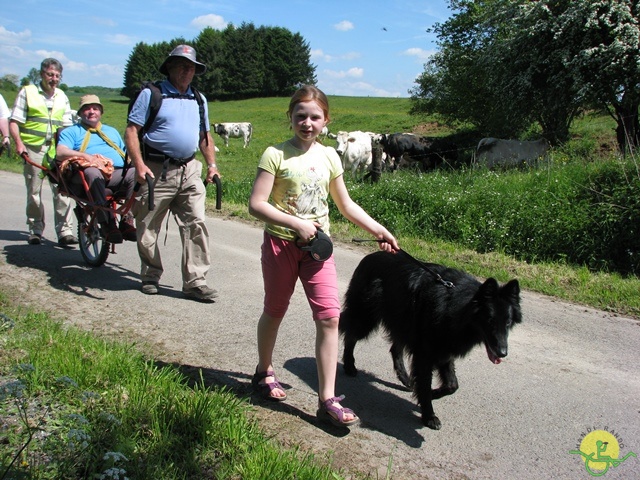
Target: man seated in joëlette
87, 139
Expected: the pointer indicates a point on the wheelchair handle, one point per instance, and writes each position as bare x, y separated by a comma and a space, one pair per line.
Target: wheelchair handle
149, 180
218, 183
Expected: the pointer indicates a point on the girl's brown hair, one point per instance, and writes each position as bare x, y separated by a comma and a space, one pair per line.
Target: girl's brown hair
310, 93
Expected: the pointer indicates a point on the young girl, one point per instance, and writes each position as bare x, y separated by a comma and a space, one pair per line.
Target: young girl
290, 195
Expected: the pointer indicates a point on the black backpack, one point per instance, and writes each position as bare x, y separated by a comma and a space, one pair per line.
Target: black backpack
156, 102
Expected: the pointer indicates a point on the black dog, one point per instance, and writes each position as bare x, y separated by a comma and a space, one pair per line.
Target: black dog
430, 321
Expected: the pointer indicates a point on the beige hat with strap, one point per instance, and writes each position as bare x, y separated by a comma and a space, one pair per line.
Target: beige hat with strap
89, 100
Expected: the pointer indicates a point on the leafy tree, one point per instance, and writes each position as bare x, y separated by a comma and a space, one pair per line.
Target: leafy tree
243, 62
9, 82
34, 76
460, 81
607, 63
504, 64
286, 62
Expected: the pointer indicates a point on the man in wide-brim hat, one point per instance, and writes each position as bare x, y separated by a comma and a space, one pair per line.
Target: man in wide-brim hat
166, 152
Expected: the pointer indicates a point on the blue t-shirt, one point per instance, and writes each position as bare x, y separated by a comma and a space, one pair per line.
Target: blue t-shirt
176, 129
73, 136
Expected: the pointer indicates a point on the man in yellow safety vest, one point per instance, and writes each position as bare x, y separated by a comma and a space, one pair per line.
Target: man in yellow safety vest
38, 112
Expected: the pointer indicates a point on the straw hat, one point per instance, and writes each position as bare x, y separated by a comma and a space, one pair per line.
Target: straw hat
89, 100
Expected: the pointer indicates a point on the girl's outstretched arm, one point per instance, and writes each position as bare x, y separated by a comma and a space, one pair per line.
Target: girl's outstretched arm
356, 214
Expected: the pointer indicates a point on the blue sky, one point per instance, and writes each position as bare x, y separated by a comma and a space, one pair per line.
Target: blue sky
359, 47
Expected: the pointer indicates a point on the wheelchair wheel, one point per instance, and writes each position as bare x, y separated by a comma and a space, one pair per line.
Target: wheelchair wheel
93, 247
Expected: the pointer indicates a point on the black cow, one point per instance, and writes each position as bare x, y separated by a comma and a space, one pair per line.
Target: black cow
407, 148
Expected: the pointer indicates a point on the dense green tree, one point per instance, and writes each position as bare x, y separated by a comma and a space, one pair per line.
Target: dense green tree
459, 81
211, 51
286, 62
242, 62
34, 76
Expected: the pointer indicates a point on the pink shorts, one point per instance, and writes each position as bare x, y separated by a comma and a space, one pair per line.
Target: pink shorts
282, 264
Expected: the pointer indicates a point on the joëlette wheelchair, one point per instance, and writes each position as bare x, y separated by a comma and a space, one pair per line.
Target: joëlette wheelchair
93, 245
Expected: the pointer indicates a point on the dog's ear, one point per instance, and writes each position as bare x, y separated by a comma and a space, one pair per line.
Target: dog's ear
511, 292
512, 289
488, 289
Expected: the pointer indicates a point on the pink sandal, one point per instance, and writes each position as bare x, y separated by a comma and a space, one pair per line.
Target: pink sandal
265, 389
327, 408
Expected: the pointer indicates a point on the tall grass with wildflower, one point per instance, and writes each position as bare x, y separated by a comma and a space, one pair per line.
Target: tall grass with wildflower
587, 214
74, 406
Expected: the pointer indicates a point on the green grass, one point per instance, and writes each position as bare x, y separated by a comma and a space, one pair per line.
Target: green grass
537, 225
74, 406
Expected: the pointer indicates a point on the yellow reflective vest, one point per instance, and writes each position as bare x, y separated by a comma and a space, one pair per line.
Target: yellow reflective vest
42, 123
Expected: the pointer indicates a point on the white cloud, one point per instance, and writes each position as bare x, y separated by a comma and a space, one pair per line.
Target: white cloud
8, 37
42, 54
71, 66
344, 26
354, 72
104, 21
319, 55
211, 20
356, 89
120, 39
419, 53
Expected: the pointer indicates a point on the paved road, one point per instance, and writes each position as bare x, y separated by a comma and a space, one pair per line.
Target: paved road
570, 369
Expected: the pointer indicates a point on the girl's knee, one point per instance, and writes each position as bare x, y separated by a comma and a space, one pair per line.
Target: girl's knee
330, 323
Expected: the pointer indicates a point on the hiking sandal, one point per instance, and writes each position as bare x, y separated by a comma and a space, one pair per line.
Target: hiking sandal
327, 408
265, 389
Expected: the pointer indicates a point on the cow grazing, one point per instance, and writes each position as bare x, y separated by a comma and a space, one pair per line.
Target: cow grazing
498, 153
407, 148
354, 149
234, 130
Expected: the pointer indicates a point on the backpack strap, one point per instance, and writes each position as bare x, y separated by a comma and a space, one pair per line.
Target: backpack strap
203, 120
155, 102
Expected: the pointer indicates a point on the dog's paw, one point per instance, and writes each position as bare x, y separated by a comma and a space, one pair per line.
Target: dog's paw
406, 381
432, 422
443, 391
350, 370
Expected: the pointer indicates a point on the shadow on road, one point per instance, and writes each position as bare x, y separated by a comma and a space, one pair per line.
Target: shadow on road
378, 409
65, 267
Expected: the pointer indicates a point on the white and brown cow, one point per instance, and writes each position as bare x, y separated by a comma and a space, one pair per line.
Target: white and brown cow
234, 130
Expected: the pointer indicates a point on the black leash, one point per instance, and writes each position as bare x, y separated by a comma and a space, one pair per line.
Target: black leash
437, 276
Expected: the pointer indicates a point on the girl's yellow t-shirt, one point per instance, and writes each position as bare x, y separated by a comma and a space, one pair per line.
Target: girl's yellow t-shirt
301, 184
